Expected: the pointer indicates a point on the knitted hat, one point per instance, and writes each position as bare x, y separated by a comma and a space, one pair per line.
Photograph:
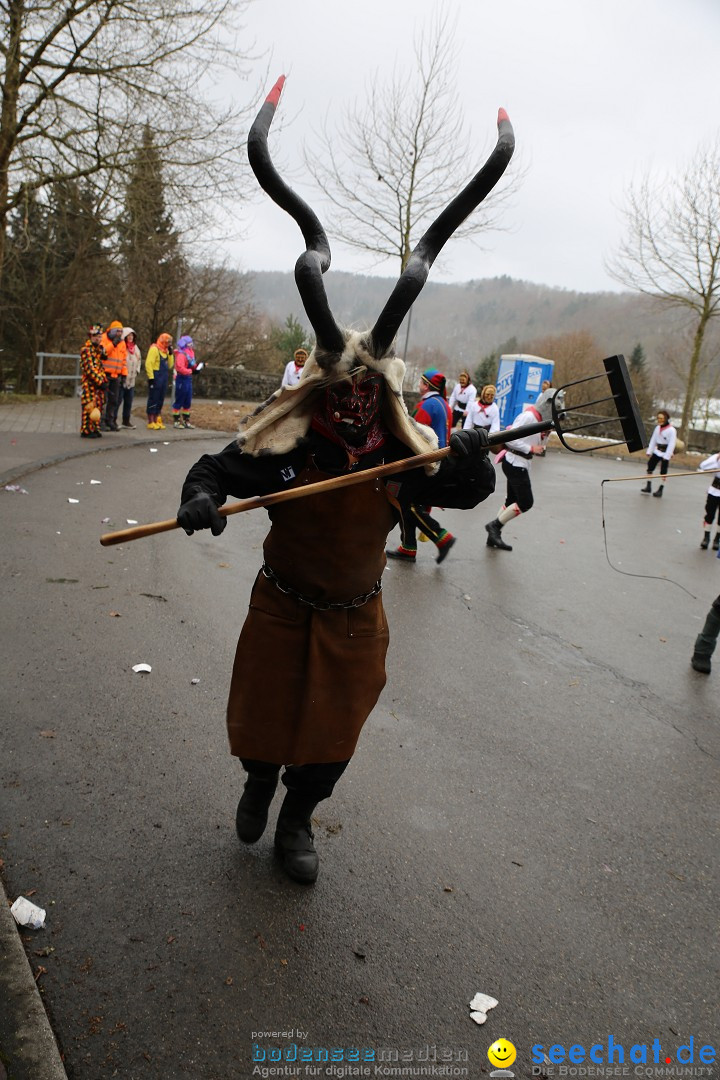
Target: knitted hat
435, 379
96, 328
115, 325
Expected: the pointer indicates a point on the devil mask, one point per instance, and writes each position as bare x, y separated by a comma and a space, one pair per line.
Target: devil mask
350, 408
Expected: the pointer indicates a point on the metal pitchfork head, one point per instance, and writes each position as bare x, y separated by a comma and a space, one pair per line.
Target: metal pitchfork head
626, 406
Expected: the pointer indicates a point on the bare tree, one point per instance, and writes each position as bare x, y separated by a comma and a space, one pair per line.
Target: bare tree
80, 78
396, 159
672, 255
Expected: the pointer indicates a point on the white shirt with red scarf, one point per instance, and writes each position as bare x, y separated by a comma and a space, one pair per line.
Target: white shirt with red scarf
484, 416
520, 452
662, 441
292, 374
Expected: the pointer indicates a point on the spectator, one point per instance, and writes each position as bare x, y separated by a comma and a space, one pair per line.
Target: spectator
93, 383
660, 450
185, 364
462, 396
294, 369
158, 364
134, 361
433, 411
484, 413
712, 502
115, 364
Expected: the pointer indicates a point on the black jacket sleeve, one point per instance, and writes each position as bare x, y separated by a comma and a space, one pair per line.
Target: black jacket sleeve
459, 484
233, 473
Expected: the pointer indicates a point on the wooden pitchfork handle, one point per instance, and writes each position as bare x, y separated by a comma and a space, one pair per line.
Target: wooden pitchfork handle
362, 477
283, 496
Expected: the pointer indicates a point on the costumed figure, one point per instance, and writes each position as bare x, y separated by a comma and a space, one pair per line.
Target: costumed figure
115, 363
322, 614
434, 412
516, 459
462, 396
294, 369
158, 364
93, 382
185, 365
712, 502
660, 450
484, 413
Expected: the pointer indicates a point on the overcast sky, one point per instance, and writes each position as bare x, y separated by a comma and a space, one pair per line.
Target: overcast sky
598, 93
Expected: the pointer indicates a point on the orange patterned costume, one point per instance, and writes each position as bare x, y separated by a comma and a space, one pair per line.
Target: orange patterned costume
93, 381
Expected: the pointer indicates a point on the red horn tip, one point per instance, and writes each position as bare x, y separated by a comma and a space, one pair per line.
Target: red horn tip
274, 95
502, 115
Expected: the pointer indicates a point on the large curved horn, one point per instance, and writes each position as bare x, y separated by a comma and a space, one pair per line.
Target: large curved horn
314, 262
424, 254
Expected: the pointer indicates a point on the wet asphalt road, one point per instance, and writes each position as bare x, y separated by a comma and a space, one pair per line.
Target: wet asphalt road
532, 811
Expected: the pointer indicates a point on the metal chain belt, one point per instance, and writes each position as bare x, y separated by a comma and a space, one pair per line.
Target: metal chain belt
320, 605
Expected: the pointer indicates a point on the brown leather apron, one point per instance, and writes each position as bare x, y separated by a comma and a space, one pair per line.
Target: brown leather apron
305, 680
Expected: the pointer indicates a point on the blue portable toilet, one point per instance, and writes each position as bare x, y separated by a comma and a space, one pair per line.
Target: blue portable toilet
519, 381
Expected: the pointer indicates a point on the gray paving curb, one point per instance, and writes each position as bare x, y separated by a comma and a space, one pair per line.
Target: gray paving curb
24, 469
27, 1045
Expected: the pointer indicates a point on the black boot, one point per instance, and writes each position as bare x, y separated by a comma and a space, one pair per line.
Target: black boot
252, 812
646, 490
294, 837
716, 542
705, 542
658, 494
495, 540
706, 641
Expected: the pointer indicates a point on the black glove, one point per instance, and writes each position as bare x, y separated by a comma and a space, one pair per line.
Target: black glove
200, 512
151, 384
469, 442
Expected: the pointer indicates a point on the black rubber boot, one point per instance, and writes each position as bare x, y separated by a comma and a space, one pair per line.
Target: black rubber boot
495, 540
252, 812
705, 542
444, 551
294, 838
716, 542
658, 494
706, 641
646, 490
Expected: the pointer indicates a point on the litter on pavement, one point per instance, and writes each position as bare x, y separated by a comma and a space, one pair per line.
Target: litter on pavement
28, 914
480, 1006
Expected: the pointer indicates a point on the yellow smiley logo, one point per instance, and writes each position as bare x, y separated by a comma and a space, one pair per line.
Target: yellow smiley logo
502, 1054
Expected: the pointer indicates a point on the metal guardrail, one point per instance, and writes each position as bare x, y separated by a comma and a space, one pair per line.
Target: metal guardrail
40, 378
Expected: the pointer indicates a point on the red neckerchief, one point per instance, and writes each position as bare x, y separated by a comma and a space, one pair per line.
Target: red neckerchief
663, 426
533, 410
374, 439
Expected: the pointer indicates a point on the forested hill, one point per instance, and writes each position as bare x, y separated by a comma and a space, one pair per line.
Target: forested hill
469, 320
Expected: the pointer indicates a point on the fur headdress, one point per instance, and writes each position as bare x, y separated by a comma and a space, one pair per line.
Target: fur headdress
283, 421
